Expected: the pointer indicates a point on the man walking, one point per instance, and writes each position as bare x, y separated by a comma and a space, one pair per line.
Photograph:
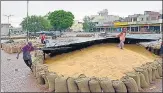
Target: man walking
122, 37
26, 54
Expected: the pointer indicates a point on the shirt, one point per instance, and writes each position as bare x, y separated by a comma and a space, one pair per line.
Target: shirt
43, 37
26, 52
122, 36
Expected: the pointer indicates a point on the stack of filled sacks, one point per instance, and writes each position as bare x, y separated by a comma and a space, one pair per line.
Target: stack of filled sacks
154, 44
146, 74
14, 47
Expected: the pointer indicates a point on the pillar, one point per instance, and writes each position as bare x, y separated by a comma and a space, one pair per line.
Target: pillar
160, 27
130, 28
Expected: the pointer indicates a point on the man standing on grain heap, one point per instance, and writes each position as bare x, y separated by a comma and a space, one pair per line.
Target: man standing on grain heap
122, 37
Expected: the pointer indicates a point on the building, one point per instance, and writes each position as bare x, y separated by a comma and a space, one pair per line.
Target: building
103, 21
5, 29
77, 26
149, 21
16, 31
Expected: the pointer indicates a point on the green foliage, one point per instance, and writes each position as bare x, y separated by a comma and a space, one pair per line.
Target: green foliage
60, 19
35, 23
88, 25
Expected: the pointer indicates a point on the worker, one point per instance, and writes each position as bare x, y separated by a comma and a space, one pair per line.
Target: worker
122, 37
26, 54
42, 36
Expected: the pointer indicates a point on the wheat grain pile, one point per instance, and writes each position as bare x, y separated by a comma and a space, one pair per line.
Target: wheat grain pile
100, 60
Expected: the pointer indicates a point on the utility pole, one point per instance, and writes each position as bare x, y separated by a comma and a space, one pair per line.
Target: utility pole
27, 21
8, 17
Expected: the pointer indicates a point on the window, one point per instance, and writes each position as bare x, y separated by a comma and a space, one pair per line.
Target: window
147, 18
153, 18
141, 19
135, 19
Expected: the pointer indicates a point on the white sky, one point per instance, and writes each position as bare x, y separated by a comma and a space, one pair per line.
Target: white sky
78, 8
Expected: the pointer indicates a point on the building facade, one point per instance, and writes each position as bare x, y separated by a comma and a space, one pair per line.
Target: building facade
5, 29
77, 26
103, 21
149, 21
16, 31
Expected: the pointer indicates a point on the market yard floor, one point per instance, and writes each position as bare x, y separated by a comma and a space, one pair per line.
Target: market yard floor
100, 60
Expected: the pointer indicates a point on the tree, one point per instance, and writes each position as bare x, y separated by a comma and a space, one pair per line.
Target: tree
61, 20
35, 23
88, 25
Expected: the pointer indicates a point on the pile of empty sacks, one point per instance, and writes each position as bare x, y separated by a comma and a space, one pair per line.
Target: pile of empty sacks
134, 81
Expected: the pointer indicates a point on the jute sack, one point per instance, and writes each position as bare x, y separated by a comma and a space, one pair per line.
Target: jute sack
40, 67
144, 72
149, 73
136, 77
51, 76
159, 60
159, 69
61, 84
10, 49
94, 85
155, 72
119, 86
7, 48
34, 69
40, 79
2, 46
72, 86
130, 84
46, 85
106, 85
14, 49
82, 83
143, 83
41, 59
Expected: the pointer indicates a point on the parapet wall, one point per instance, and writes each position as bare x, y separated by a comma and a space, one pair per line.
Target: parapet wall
134, 81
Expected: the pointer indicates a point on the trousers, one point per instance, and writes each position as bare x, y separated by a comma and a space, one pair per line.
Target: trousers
28, 63
121, 44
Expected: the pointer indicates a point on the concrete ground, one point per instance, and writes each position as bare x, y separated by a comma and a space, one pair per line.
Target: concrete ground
17, 77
